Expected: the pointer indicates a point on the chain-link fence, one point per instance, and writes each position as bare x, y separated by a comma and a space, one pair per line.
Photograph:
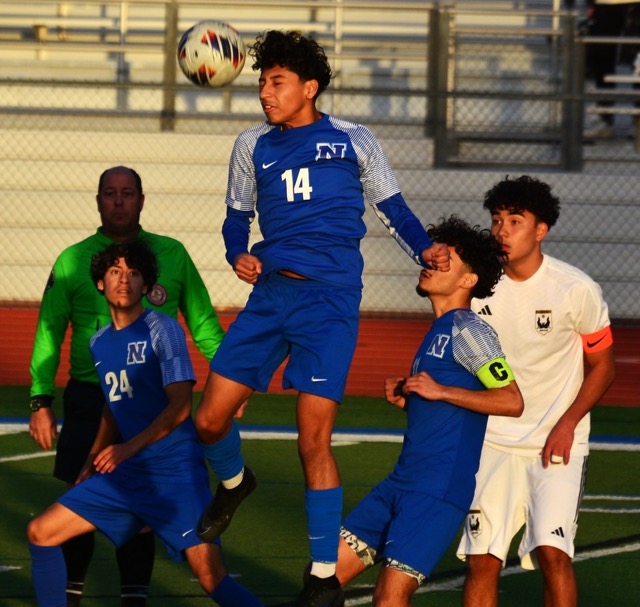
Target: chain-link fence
85, 86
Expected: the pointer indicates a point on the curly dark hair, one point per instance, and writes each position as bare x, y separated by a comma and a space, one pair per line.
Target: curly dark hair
136, 253
524, 193
300, 54
477, 248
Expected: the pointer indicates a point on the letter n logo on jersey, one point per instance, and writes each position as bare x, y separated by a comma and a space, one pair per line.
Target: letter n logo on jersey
135, 352
438, 345
327, 151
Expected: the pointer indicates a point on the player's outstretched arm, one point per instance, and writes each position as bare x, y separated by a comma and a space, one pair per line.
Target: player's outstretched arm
504, 399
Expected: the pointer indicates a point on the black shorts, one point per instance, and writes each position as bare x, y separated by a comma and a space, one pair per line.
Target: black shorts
82, 404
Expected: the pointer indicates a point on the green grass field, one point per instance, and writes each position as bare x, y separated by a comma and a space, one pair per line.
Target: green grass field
266, 545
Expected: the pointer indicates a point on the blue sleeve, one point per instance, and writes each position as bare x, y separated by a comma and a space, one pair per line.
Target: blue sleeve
235, 232
404, 226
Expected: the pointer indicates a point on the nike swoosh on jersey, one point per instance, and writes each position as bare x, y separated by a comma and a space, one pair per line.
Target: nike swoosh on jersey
315, 379
96, 364
187, 533
590, 344
266, 165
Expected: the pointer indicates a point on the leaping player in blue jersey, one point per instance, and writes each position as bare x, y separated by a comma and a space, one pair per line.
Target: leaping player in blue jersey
459, 377
146, 465
309, 177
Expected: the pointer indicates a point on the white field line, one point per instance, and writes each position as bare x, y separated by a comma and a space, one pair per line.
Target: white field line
456, 583
342, 438
610, 498
620, 498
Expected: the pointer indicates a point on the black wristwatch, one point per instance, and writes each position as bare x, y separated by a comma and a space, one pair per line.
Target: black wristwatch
40, 402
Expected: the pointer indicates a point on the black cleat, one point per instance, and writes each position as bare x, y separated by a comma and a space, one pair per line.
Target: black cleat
218, 514
321, 592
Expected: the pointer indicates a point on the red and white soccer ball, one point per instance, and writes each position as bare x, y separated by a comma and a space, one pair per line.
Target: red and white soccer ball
211, 53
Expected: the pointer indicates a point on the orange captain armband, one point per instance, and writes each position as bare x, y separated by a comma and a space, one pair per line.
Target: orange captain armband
595, 342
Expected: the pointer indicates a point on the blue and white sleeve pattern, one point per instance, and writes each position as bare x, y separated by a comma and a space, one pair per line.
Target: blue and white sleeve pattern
382, 191
170, 346
475, 342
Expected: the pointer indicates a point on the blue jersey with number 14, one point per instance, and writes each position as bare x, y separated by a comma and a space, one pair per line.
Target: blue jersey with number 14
309, 185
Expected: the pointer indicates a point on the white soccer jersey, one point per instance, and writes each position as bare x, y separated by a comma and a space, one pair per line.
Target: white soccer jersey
540, 323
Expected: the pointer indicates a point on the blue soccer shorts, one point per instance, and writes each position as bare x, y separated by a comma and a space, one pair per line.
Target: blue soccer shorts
119, 506
314, 324
411, 528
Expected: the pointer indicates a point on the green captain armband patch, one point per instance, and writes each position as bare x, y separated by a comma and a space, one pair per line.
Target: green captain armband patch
496, 373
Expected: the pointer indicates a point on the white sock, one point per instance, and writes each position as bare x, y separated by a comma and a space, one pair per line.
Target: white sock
234, 481
323, 570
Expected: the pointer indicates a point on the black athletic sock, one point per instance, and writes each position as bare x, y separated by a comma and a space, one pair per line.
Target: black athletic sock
77, 556
135, 562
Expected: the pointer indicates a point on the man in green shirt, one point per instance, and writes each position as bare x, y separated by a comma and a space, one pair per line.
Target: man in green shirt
70, 298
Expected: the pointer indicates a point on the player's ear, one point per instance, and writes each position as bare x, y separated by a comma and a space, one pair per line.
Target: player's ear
542, 229
469, 280
311, 88
100, 285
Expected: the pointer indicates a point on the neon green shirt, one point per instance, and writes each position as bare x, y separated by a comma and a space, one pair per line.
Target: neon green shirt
70, 297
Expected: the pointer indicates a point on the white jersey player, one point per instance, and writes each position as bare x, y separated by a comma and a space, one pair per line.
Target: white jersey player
550, 317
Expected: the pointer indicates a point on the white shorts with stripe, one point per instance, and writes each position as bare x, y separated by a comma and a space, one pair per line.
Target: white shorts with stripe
512, 491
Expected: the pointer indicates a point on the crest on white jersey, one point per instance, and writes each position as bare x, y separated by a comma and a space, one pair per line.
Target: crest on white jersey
544, 321
474, 523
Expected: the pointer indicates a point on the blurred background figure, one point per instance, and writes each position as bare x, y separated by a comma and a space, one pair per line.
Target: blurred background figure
610, 18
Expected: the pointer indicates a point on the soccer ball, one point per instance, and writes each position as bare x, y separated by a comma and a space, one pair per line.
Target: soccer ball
211, 53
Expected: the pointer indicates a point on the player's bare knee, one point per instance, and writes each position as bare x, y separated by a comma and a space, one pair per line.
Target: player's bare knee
484, 565
210, 428
552, 559
32, 536
36, 533
313, 450
391, 596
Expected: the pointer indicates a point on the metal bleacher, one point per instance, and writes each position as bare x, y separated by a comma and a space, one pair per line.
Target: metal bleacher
87, 85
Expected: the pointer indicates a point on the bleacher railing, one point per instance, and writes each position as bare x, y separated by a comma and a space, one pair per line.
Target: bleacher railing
501, 86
